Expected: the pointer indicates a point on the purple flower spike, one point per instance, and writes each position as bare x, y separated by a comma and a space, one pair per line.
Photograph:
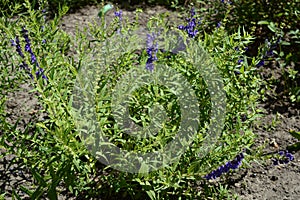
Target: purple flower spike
149, 65
190, 28
16, 43
151, 50
28, 49
119, 14
234, 164
33, 58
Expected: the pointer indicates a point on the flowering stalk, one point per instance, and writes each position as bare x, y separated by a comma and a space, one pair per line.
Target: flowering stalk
28, 46
16, 43
234, 164
190, 28
269, 52
151, 51
28, 49
241, 58
118, 14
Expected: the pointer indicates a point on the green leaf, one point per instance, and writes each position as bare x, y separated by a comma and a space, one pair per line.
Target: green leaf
151, 194
15, 195
26, 190
295, 134
39, 178
272, 27
294, 147
285, 43
263, 23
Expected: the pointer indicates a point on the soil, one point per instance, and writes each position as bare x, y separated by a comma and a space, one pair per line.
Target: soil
265, 180
260, 181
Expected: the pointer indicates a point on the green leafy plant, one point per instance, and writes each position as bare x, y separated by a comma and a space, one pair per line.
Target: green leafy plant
53, 148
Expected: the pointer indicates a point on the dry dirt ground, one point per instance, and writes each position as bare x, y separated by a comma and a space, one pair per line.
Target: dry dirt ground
261, 181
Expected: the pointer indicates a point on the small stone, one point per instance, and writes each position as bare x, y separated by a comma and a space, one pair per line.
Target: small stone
274, 144
274, 178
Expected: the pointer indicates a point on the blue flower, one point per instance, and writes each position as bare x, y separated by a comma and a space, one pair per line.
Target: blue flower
27, 40
181, 27
13, 43
240, 61
286, 157
237, 72
190, 28
269, 53
234, 164
151, 50
289, 156
149, 65
270, 48
260, 63
33, 58
28, 49
119, 14
28, 46
40, 72
16, 43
